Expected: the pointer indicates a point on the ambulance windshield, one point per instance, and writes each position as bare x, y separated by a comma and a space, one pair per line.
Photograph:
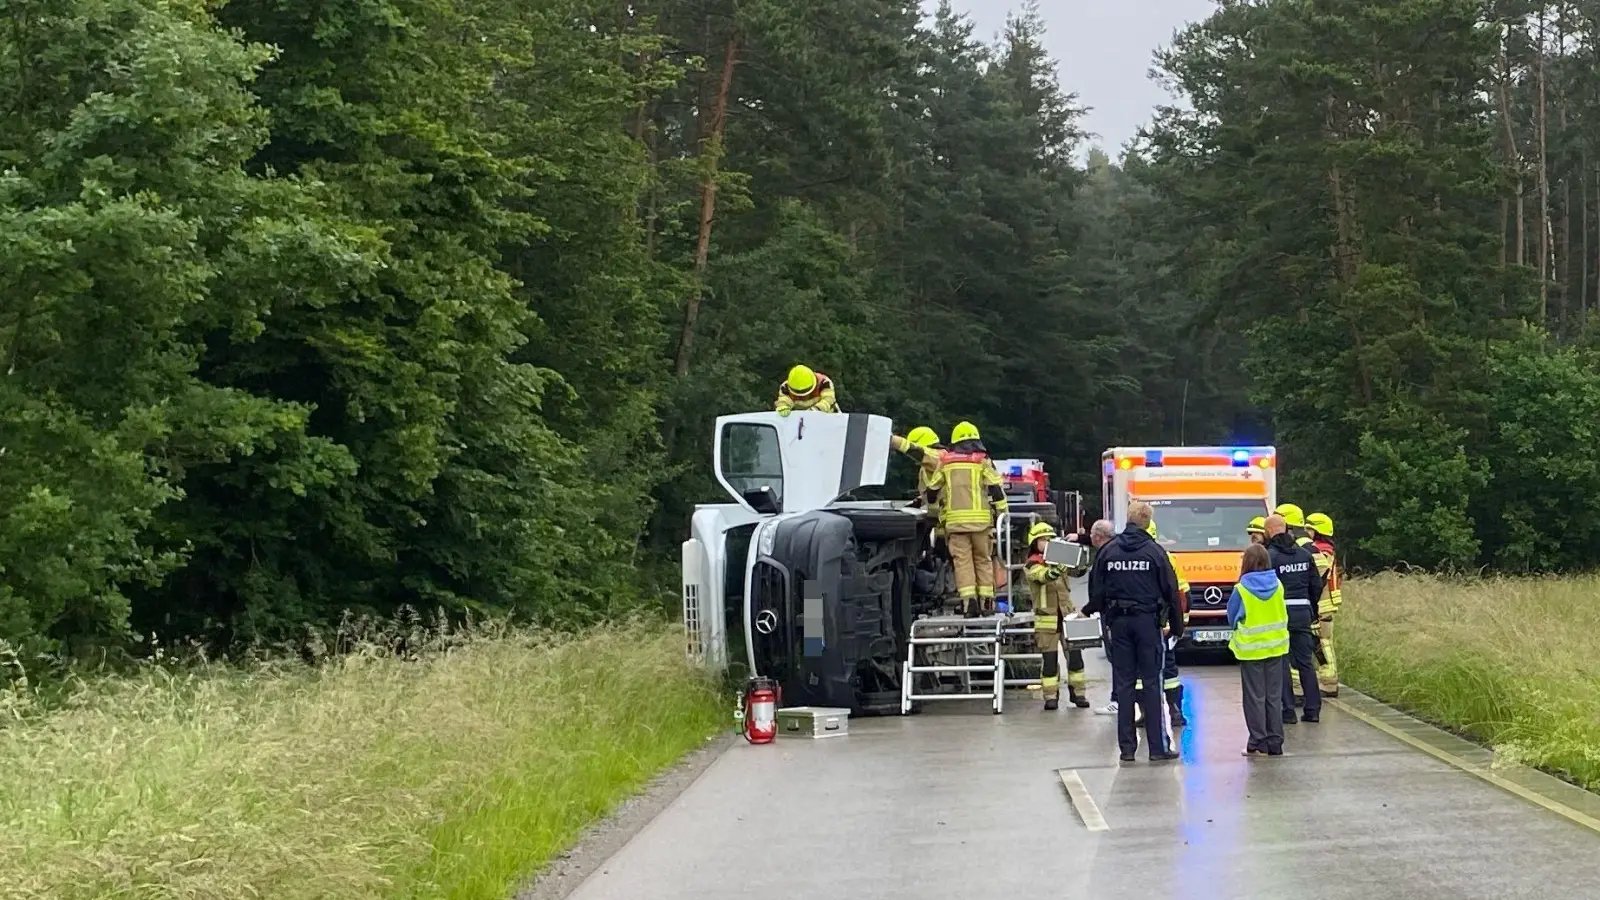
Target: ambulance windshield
1209, 524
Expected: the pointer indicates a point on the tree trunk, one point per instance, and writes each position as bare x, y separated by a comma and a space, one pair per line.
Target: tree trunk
710, 153
1583, 239
1512, 158
1546, 244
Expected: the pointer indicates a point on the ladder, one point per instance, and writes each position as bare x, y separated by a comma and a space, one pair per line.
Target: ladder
976, 647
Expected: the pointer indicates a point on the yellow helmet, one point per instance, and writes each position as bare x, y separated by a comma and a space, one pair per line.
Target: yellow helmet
1258, 525
1151, 528
802, 380
923, 436
1321, 523
1040, 530
964, 431
1293, 516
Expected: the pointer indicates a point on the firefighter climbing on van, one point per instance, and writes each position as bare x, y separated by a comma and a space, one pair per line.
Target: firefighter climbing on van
924, 446
1320, 527
805, 389
1052, 601
969, 492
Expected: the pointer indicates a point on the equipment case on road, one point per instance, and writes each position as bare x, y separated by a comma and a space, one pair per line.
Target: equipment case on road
813, 722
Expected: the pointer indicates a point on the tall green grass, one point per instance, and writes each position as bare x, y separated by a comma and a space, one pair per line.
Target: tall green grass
1514, 663
456, 774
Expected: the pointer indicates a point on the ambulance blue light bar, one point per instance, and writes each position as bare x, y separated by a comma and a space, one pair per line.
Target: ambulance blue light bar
1152, 459
1241, 458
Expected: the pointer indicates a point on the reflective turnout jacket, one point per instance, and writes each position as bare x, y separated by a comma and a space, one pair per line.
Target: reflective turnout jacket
1052, 597
820, 398
968, 488
1328, 564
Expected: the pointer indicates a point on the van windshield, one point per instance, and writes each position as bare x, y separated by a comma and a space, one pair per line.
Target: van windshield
1210, 524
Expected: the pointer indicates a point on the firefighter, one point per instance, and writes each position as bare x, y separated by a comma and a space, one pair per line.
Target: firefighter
1295, 518
969, 492
922, 445
1052, 602
1320, 525
806, 389
1302, 590
1170, 685
1131, 584
1257, 529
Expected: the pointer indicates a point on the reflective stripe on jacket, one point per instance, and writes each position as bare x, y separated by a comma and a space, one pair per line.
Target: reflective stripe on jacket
821, 397
969, 490
1052, 597
1328, 565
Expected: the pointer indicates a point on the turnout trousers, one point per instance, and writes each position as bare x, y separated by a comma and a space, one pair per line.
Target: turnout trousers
972, 554
1138, 654
1327, 672
1050, 653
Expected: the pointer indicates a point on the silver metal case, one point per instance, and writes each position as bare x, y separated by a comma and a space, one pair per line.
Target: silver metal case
1064, 553
813, 722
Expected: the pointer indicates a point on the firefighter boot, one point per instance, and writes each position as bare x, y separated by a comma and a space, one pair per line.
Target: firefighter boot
1051, 703
1175, 704
1078, 700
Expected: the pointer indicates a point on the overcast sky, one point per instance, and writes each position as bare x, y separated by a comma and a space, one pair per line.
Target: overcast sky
1103, 48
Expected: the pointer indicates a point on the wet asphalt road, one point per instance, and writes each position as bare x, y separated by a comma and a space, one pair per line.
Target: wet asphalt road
959, 803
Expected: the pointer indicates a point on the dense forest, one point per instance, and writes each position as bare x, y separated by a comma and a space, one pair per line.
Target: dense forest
373, 304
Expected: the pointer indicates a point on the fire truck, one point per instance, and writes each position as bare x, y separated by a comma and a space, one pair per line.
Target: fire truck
1204, 499
1026, 482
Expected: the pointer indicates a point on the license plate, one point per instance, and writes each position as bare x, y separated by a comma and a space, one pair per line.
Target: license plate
1212, 637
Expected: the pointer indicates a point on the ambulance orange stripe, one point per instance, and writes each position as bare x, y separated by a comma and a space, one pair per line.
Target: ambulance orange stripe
1199, 487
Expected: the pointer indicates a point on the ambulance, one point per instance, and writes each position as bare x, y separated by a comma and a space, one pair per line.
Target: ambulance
1204, 499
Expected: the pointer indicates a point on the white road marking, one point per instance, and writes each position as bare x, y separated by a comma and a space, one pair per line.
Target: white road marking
1081, 801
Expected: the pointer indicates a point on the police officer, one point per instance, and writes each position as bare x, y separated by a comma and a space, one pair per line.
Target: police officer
1302, 588
1132, 586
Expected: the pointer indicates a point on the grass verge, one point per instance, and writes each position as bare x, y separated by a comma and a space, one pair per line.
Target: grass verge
457, 775
1513, 663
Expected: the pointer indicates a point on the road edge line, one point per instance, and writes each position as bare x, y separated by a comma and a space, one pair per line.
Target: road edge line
1082, 802
1561, 809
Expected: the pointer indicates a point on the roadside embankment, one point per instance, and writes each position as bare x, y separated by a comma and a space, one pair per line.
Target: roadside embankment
455, 775
1511, 662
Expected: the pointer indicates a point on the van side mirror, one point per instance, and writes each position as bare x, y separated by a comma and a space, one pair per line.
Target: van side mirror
762, 500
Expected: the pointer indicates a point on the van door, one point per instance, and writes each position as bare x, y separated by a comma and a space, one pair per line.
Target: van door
804, 461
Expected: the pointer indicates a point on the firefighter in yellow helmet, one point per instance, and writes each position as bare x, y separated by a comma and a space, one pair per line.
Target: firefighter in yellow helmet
1052, 601
924, 446
969, 493
1257, 529
1295, 518
1170, 685
1320, 526
805, 389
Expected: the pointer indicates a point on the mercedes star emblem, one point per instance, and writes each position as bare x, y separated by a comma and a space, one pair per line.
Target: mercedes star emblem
1213, 594
766, 621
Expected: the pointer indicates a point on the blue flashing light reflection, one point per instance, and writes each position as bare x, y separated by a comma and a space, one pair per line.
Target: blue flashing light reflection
1152, 458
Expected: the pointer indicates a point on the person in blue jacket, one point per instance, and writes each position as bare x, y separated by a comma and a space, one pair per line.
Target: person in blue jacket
1260, 622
